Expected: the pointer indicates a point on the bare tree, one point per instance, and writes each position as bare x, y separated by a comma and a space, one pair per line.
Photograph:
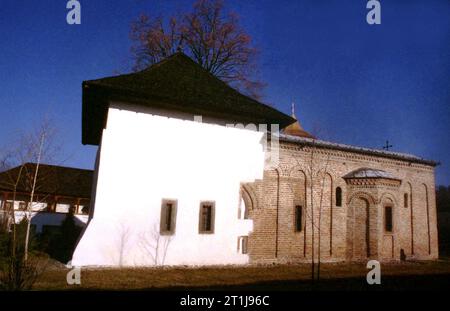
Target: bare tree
153, 40
33, 188
123, 242
21, 275
155, 245
25, 157
313, 229
209, 36
316, 170
5, 214
323, 173
35, 146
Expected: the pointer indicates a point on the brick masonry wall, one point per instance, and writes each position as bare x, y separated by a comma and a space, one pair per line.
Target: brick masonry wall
346, 232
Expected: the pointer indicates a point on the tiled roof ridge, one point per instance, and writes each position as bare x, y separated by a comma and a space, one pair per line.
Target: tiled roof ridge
365, 150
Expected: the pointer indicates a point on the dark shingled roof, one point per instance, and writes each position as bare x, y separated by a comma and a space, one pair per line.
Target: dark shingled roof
177, 83
53, 180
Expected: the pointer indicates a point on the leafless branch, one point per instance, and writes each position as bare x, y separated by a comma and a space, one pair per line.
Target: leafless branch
213, 39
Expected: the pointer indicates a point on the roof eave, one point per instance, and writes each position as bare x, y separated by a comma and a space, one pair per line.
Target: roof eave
354, 149
96, 98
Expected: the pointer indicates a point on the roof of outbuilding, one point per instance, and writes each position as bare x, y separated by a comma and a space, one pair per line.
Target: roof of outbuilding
51, 179
369, 173
176, 83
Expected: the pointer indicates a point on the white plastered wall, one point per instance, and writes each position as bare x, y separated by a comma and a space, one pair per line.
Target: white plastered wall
145, 158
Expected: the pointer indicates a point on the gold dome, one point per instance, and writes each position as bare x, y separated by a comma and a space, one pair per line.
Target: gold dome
295, 129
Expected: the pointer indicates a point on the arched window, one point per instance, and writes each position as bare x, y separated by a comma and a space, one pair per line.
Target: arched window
338, 196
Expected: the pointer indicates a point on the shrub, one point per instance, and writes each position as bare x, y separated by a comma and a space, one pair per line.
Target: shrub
16, 273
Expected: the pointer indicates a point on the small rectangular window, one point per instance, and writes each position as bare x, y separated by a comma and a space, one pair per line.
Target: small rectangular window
62, 208
168, 217
298, 218
22, 206
388, 218
8, 206
338, 196
206, 221
405, 199
243, 244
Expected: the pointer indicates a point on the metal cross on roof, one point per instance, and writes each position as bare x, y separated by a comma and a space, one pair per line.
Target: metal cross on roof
387, 145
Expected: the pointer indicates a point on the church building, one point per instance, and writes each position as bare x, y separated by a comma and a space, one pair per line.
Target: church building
184, 175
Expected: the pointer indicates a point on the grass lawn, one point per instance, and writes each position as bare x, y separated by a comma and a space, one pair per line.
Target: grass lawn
336, 276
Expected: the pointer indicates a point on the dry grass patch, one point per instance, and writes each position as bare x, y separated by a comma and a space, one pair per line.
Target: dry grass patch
156, 278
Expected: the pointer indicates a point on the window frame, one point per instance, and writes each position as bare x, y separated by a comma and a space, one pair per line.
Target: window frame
173, 217
243, 245
201, 229
391, 220
296, 214
338, 197
22, 206
8, 206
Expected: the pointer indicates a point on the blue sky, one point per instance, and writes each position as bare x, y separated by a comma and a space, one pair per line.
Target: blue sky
358, 84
